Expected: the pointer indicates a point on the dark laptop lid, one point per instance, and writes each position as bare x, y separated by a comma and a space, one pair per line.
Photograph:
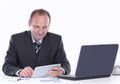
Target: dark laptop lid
96, 60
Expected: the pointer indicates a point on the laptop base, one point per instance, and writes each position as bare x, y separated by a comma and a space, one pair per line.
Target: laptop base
69, 77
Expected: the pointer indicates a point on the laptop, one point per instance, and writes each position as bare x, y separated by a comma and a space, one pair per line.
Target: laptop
95, 61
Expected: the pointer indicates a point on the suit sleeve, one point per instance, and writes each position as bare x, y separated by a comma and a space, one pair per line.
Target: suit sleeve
61, 58
11, 62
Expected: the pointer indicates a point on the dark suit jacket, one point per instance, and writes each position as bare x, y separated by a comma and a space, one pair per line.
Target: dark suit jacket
21, 53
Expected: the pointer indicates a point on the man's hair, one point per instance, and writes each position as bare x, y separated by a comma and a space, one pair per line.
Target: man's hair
40, 12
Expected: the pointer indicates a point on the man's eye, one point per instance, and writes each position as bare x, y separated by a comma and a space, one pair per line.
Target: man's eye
45, 27
36, 26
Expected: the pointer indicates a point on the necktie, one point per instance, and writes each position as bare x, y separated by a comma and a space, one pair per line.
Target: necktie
36, 49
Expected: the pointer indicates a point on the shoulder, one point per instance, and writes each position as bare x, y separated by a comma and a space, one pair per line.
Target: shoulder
21, 34
53, 35
53, 38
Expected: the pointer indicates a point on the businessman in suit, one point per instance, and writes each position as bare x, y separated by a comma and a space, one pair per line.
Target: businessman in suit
23, 55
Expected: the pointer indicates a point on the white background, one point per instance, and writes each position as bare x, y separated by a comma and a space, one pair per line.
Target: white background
79, 22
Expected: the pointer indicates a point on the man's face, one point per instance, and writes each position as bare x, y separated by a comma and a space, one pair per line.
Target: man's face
39, 26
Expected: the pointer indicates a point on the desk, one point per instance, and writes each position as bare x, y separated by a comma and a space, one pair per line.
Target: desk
107, 80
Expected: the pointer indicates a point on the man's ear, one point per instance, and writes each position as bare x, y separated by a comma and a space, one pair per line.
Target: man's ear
29, 23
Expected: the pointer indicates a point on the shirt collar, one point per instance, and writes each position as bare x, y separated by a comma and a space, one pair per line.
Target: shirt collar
33, 40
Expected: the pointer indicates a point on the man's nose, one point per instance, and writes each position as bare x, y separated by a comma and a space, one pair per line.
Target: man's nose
40, 31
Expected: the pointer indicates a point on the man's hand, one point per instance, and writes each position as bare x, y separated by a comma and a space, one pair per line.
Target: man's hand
26, 72
57, 71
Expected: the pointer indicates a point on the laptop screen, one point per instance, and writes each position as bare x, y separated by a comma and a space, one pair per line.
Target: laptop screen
95, 60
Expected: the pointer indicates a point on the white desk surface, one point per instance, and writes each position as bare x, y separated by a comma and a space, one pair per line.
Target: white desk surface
12, 80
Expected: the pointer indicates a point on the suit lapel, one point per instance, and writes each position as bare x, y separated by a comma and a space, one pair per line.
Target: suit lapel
29, 47
44, 47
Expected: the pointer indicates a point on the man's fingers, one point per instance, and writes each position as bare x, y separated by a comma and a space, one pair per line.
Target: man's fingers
57, 71
29, 71
53, 73
26, 72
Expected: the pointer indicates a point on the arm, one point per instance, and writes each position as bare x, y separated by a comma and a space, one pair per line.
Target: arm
61, 58
10, 67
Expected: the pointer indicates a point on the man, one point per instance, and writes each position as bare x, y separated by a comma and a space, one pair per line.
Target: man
23, 55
